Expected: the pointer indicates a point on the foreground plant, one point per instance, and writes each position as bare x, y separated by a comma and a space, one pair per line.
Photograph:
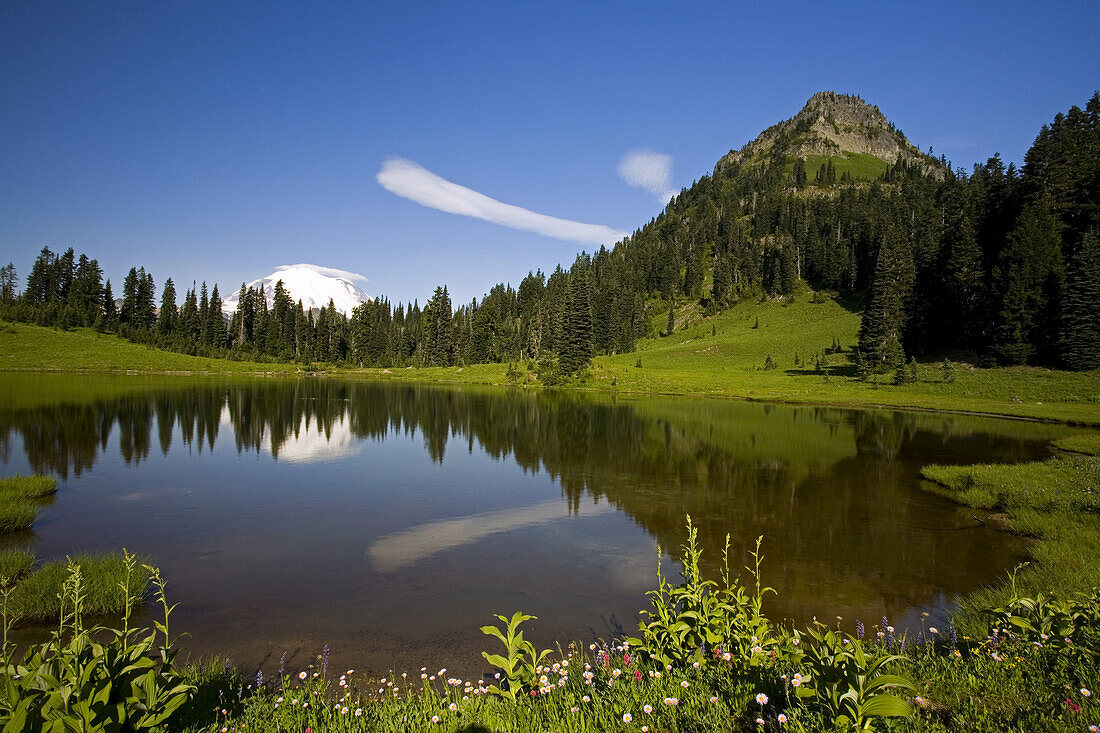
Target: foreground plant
75, 682
519, 664
849, 682
698, 615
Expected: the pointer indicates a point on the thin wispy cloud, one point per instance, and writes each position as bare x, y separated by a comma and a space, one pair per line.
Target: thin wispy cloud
649, 171
416, 183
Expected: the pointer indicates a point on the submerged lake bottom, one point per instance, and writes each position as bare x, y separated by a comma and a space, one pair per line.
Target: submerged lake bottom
388, 522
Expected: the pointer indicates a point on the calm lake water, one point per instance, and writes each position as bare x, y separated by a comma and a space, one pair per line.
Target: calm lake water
389, 521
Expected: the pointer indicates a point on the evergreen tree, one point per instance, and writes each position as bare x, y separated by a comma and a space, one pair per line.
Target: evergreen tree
8, 283
576, 350
127, 314
1080, 333
40, 283
880, 331
169, 311
110, 310
215, 320
1028, 282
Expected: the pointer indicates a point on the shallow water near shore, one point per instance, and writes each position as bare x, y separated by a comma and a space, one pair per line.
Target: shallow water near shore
390, 521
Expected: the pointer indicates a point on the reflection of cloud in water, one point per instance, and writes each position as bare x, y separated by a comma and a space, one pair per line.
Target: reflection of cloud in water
396, 551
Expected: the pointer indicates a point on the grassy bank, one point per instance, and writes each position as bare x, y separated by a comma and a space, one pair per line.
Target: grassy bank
1056, 502
723, 355
35, 596
18, 496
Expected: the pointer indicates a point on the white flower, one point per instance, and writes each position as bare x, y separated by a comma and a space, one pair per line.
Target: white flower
685, 683
627, 717
435, 718
781, 718
796, 680
933, 630
761, 699
302, 675
713, 699
1086, 692
647, 709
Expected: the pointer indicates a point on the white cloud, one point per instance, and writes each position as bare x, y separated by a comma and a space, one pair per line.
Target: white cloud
326, 271
649, 171
414, 182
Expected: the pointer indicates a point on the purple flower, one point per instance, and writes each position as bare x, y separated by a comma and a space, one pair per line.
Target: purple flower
859, 629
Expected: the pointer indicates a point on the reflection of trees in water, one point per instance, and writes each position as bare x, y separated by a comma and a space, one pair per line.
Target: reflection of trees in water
847, 517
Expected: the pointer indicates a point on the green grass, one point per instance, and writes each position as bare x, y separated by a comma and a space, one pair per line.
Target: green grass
28, 487
724, 355
16, 516
1086, 443
720, 356
17, 506
15, 564
1056, 502
27, 347
35, 598
858, 166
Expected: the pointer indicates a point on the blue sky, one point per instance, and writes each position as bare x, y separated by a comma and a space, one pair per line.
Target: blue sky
217, 141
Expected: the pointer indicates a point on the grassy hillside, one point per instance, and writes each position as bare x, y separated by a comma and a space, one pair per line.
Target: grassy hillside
26, 347
723, 355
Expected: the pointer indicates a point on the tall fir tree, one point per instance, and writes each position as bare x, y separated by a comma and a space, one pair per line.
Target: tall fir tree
1027, 282
576, 350
880, 331
1079, 340
169, 311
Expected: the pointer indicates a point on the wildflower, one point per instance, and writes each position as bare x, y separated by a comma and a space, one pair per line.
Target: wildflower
452, 707
645, 728
671, 701
616, 673
586, 698
647, 708
435, 718
302, 675
627, 717
761, 699
574, 709
781, 718
726, 656
1092, 729
796, 680
933, 630
796, 642
695, 665
713, 699
1085, 692
343, 711
890, 629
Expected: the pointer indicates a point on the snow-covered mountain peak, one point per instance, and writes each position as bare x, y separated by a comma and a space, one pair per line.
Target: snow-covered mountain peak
311, 284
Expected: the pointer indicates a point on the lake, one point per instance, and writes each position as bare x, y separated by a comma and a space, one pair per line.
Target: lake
389, 521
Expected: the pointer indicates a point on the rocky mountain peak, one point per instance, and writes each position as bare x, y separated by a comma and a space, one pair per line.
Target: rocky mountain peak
831, 125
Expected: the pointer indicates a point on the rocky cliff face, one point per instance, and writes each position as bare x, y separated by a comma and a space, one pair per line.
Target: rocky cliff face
831, 125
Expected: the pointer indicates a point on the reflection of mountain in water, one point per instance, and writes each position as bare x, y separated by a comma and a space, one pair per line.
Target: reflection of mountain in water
832, 489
